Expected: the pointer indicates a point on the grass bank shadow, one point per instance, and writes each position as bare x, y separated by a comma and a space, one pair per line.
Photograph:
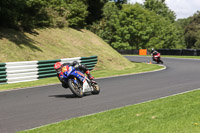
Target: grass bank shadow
19, 38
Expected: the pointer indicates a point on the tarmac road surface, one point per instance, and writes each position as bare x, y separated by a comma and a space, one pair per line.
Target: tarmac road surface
29, 108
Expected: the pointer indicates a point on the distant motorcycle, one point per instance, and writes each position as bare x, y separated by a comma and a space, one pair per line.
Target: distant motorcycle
157, 58
79, 84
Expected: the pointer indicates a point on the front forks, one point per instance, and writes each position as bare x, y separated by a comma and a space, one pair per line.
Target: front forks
76, 82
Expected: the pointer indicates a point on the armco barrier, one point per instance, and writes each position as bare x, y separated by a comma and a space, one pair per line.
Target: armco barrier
21, 71
3, 73
46, 69
90, 62
182, 52
14, 72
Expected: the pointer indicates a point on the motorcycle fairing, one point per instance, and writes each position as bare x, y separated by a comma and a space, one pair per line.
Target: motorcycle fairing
80, 76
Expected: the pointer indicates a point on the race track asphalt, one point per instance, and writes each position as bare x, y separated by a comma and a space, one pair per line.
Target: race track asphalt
32, 107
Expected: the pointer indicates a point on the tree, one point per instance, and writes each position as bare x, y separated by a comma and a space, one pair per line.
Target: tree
77, 13
105, 28
30, 14
95, 10
160, 8
10, 11
134, 27
181, 24
192, 34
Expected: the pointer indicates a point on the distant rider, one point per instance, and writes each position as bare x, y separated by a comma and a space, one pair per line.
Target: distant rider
58, 67
153, 53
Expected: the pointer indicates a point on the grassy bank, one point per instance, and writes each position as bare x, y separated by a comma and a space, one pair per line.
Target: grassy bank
138, 67
47, 44
175, 114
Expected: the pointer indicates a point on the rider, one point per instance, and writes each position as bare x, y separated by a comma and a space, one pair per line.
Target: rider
153, 52
58, 67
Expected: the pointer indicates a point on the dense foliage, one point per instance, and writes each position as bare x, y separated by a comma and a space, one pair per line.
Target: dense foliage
94, 9
122, 25
192, 32
134, 27
160, 8
29, 14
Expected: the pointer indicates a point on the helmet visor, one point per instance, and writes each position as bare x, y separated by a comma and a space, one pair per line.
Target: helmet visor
58, 70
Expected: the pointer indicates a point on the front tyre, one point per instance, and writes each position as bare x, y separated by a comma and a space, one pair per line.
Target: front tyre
96, 88
76, 88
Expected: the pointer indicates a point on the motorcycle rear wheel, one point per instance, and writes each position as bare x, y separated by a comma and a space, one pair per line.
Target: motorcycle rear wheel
76, 89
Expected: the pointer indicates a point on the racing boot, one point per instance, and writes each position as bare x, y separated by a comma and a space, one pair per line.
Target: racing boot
89, 75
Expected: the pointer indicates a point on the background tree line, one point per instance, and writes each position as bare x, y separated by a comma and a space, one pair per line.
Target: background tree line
122, 25
29, 14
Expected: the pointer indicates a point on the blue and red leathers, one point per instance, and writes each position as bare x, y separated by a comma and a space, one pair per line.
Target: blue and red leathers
76, 65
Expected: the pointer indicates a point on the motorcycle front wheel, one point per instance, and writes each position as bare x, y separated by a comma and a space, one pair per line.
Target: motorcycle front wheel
76, 88
96, 89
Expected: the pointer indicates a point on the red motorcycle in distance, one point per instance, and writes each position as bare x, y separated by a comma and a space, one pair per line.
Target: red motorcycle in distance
156, 57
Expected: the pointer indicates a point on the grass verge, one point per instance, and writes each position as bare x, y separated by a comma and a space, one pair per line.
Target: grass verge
186, 57
137, 68
172, 56
174, 114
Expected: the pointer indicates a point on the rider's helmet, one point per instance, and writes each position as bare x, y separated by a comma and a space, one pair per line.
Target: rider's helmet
74, 63
58, 67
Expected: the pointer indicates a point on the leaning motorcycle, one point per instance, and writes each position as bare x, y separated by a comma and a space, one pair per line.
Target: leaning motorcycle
79, 84
157, 58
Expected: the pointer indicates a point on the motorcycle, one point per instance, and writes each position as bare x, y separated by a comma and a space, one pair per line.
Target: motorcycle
79, 84
157, 58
